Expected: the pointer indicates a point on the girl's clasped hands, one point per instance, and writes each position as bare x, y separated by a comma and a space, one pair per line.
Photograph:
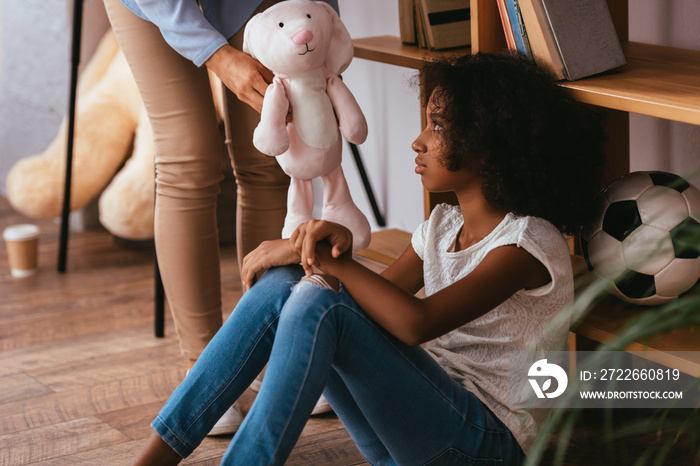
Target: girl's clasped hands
310, 244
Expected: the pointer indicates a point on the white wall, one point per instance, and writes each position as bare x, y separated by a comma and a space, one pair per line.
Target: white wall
392, 109
0, 39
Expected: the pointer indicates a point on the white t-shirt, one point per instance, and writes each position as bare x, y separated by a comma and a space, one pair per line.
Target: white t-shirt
476, 354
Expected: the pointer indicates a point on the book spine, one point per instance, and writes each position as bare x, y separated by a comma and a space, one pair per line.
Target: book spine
421, 34
446, 22
407, 25
518, 27
542, 43
511, 39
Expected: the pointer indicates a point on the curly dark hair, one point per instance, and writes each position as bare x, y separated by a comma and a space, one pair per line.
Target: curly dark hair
539, 152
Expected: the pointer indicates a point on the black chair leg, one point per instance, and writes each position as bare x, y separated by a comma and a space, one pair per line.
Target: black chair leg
159, 321
368, 187
65, 212
75, 62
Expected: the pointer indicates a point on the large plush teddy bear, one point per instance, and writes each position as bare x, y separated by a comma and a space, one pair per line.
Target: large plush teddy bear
109, 113
306, 46
113, 154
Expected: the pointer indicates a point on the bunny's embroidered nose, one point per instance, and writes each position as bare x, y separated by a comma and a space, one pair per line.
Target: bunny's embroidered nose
303, 37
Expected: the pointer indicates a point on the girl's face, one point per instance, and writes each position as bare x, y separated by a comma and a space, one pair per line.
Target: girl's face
432, 149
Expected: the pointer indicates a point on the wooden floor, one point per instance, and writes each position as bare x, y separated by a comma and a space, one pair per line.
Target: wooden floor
82, 376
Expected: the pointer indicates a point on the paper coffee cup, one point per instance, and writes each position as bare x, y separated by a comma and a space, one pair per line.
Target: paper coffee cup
22, 243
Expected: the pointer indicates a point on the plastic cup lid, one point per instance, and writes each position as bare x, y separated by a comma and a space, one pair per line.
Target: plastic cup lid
21, 232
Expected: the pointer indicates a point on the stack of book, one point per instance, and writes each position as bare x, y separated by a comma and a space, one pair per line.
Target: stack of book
435, 24
573, 38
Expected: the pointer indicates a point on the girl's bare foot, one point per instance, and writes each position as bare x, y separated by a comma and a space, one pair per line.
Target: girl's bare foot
156, 453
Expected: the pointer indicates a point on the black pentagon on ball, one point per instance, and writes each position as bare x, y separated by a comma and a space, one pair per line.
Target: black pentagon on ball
669, 180
635, 285
686, 239
621, 218
584, 250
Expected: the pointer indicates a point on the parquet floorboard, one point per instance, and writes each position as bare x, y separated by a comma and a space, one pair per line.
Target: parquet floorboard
81, 374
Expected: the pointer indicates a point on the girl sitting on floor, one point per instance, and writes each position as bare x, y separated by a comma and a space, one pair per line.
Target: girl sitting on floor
524, 160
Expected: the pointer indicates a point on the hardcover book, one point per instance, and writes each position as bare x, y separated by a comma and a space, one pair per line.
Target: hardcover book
447, 23
585, 36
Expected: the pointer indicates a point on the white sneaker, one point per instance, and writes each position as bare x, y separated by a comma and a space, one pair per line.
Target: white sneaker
321, 407
230, 422
255, 385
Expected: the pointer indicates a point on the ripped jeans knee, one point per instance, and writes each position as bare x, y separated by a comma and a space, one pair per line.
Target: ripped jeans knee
327, 282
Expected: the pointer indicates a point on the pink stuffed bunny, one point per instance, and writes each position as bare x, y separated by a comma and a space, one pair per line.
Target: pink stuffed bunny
306, 46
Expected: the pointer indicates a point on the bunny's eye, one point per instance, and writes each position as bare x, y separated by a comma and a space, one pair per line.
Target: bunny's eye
281, 25
308, 16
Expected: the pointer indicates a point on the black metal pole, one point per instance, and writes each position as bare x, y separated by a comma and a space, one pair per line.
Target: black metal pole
368, 187
159, 302
75, 62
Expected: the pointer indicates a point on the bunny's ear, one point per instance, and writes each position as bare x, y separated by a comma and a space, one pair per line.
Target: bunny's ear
341, 50
247, 33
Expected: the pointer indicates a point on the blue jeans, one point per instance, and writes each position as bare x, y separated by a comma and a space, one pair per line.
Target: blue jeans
397, 403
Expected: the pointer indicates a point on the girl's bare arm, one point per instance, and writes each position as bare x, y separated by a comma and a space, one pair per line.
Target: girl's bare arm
390, 302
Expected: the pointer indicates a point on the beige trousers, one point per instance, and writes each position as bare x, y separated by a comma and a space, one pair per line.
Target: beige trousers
179, 103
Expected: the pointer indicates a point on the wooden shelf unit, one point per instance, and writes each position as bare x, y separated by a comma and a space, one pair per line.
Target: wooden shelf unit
390, 50
657, 81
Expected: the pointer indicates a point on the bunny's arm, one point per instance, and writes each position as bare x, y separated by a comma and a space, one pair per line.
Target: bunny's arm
351, 120
270, 136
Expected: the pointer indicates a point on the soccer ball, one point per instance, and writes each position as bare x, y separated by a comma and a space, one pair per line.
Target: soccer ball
645, 237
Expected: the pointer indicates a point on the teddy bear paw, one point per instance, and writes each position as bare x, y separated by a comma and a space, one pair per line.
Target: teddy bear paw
351, 217
270, 142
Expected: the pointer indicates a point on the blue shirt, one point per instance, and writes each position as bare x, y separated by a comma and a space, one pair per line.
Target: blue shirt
193, 33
